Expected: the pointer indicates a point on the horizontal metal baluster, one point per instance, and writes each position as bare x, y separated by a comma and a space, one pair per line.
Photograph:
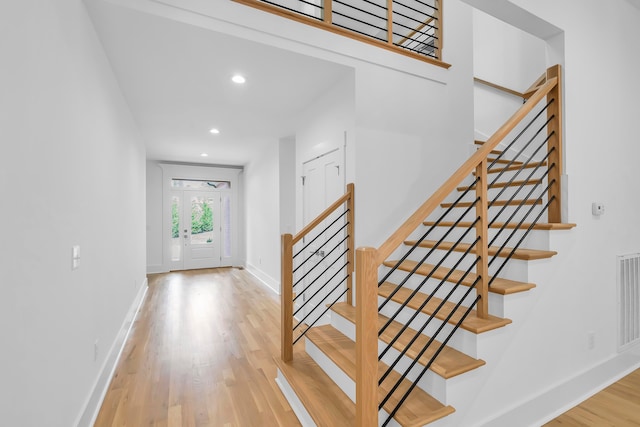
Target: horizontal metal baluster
426, 323
296, 10
407, 324
323, 244
427, 277
426, 368
321, 287
516, 210
325, 310
435, 247
521, 169
395, 12
318, 305
519, 135
319, 276
322, 232
419, 2
424, 236
412, 29
313, 268
513, 251
366, 12
444, 323
511, 162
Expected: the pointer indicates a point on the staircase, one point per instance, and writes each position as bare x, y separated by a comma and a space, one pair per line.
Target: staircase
431, 302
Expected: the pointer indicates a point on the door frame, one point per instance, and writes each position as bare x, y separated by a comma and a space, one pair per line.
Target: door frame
232, 174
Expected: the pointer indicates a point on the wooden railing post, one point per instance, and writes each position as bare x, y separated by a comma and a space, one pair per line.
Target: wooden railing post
390, 22
439, 33
286, 298
351, 241
482, 250
327, 6
366, 337
554, 145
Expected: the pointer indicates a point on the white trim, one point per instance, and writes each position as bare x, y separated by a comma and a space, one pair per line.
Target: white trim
295, 403
158, 268
269, 282
94, 401
559, 399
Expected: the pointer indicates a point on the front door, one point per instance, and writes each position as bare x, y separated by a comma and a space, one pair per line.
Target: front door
201, 229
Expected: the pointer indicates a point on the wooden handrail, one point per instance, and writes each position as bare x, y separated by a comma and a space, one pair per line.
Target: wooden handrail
325, 213
414, 32
532, 89
396, 239
499, 87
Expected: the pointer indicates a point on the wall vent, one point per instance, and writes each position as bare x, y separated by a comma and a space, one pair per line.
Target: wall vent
628, 301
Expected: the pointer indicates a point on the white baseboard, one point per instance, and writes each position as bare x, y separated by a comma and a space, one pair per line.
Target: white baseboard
152, 269
94, 401
295, 403
272, 284
559, 399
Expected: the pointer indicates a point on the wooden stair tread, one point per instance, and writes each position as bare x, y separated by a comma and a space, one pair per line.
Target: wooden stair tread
472, 323
449, 363
503, 161
499, 286
505, 184
520, 253
417, 410
497, 203
516, 167
538, 226
325, 402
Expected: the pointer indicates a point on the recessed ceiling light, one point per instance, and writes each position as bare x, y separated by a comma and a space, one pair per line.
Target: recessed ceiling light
214, 131
238, 79
204, 155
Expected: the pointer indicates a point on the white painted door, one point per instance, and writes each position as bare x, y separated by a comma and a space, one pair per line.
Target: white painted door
201, 229
323, 184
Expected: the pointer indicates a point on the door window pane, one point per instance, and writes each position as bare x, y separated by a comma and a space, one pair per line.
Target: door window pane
226, 226
176, 246
202, 220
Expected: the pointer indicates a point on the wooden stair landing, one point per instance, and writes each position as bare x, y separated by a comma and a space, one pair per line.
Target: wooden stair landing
472, 323
419, 408
520, 253
325, 402
499, 286
449, 363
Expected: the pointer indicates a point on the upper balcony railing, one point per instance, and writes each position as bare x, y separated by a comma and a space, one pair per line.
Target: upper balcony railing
410, 27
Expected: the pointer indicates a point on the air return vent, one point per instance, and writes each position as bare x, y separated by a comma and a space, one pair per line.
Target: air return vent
628, 300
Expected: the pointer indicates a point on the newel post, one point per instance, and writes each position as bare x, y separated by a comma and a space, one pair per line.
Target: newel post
286, 298
482, 249
554, 145
351, 241
366, 337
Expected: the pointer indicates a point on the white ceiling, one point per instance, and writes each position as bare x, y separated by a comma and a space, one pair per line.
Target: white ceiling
177, 81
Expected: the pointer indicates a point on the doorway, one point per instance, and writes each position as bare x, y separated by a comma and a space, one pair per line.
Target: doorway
200, 224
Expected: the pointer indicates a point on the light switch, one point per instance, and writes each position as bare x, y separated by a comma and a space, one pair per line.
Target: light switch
75, 257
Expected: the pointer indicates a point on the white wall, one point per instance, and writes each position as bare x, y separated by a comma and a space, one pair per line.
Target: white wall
262, 215
578, 294
72, 172
154, 217
507, 56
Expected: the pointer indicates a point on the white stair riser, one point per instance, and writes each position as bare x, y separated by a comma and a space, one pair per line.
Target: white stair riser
462, 340
431, 382
514, 270
342, 380
527, 212
535, 239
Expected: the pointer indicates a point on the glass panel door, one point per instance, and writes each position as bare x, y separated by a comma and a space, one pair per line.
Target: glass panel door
201, 230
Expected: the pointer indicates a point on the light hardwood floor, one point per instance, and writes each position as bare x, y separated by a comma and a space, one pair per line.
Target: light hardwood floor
616, 406
201, 354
